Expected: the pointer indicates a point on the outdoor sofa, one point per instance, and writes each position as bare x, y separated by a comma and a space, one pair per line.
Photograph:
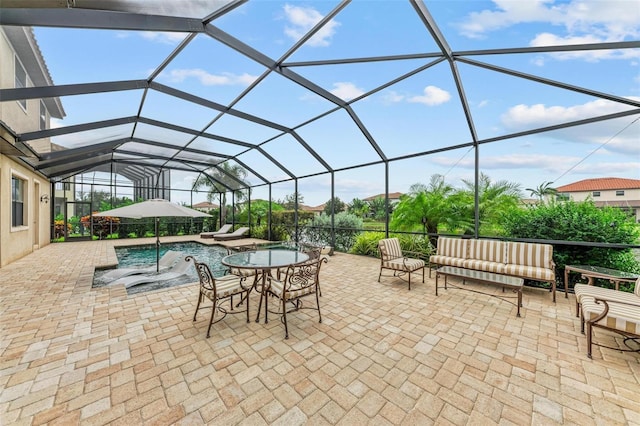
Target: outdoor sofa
531, 261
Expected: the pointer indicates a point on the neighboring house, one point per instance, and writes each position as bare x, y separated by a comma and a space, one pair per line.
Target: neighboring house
317, 209
614, 192
205, 206
394, 197
25, 195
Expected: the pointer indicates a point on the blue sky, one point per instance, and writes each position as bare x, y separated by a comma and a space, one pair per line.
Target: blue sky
421, 113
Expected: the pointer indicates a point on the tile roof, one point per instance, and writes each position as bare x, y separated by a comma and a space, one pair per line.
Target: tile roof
600, 184
319, 208
392, 196
205, 205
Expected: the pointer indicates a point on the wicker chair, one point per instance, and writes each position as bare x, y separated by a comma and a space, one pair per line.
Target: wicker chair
299, 281
218, 291
392, 258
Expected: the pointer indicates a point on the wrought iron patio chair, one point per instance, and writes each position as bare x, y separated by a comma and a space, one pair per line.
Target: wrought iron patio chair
299, 281
218, 291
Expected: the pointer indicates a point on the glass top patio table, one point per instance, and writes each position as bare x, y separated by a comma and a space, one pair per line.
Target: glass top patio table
591, 272
264, 259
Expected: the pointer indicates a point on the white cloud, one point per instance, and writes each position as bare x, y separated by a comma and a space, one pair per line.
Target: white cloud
432, 96
579, 21
302, 19
523, 117
166, 38
392, 96
551, 163
346, 91
207, 79
548, 39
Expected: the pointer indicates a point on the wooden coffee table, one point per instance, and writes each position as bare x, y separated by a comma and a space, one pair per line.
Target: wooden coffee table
514, 283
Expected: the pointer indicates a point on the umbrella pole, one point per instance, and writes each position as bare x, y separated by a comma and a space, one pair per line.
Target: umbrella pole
157, 246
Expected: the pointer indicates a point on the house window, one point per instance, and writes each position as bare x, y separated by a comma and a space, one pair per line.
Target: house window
17, 201
43, 116
619, 193
596, 193
21, 81
63, 186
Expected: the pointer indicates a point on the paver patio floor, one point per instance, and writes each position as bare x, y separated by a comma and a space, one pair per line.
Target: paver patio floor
71, 354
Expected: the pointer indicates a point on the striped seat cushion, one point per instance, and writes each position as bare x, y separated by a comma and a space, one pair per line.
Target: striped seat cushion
408, 265
389, 249
294, 290
584, 290
446, 260
452, 247
488, 250
484, 265
620, 317
242, 272
530, 254
531, 272
225, 287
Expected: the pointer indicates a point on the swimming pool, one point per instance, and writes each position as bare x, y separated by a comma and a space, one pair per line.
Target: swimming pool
145, 255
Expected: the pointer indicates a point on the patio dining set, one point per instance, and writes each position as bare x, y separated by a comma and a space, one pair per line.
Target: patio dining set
286, 275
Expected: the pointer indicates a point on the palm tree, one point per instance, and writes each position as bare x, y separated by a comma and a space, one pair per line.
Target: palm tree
358, 207
543, 189
378, 208
494, 199
426, 205
225, 176
289, 201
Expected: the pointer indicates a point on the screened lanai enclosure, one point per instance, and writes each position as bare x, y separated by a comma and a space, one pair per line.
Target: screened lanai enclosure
320, 100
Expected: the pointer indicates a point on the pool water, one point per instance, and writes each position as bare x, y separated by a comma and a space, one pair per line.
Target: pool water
145, 255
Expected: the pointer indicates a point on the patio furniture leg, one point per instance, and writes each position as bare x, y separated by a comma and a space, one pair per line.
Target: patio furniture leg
200, 296
284, 317
213, 313
589, 339
247, 297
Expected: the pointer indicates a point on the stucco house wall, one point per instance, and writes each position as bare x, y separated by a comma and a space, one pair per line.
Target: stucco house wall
19, 45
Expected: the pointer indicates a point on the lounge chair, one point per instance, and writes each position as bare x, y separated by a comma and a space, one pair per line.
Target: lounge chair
223, 230
235, 235
166, 261
179, 270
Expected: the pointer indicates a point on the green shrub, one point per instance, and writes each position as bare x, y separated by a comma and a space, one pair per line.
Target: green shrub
579, 221
367, 244
347, 227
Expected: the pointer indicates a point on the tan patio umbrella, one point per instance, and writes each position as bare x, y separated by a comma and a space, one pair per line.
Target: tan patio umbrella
157, 208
